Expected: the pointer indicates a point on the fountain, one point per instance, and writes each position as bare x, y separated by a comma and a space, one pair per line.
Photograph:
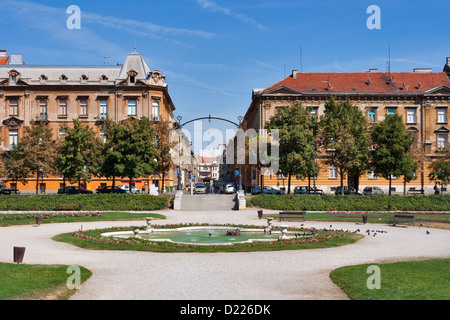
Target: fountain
205, 235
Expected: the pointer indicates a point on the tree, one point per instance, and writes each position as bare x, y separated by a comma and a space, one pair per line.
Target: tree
136, 145
392, 146
14, 166
163, 146
345, 140
37, 151
110, 157
79, 153
440, 169
297, 150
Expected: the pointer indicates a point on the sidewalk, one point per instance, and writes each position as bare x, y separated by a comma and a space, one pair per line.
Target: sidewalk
288, 275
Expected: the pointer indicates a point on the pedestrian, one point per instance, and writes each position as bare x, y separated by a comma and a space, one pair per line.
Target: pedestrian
436, 189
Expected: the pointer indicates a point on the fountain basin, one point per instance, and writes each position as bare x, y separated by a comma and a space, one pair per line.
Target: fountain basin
208, 235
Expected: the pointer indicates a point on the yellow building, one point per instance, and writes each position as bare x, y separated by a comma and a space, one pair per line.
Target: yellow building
421, 97
59, 94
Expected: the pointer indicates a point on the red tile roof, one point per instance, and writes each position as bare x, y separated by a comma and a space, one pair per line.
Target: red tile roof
4, 61
363, 82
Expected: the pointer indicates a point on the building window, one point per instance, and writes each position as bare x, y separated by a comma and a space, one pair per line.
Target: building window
411, 116
63, 107
155, 111
103, 109
62, 133
442, 141
43, 110
441, 115
372, 175
13, 138
132, 107
390, 112
332, 172
14, 107
102, 135
83, 108
373, 115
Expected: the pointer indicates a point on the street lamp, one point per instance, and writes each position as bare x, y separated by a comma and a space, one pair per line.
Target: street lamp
179, 153
240, 118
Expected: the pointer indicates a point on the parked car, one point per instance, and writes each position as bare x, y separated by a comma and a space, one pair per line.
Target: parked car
306, 190
109, 189
228, 188
347, 191
199, 188
126, 187
4, 189
266, 190
372, 190
73, 190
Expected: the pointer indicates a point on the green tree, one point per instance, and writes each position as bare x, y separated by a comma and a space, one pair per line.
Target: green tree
392, 146
111, 157
345, 140
297, 149
136, 145
37, 150
440, 169
163, 146
79, 153
15, 170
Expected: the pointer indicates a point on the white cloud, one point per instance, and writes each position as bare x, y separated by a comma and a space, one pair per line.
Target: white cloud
214, 7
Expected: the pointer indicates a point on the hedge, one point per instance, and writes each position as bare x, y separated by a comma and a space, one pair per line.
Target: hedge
89, 202
352, 202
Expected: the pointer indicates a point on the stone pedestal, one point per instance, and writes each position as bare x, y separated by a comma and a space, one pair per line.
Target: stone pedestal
241, 199
177, 200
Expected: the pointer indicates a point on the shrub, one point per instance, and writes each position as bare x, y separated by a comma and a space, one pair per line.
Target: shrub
90, 202
352, 202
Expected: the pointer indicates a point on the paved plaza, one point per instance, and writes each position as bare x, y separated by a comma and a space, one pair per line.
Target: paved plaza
279, 275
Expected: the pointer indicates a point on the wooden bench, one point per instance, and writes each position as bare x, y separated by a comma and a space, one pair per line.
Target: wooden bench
292, 214
415, 192
402, 218
67, 206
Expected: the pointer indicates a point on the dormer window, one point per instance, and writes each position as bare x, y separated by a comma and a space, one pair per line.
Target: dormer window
13, 76
43, 77
132, 76
63, 77
84, 77
103, 77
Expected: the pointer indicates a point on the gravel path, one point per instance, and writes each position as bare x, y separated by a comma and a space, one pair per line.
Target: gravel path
280, 275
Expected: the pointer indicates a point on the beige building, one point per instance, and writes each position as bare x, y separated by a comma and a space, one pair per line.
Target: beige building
421, 97
59, 94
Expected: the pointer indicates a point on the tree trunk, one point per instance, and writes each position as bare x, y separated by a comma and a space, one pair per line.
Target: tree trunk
129, 185
162, 183
342, 182
390, 183
114, 182
37, 181
289, 183
404, 187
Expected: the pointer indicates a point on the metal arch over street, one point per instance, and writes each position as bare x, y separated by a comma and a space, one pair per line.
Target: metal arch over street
208, 118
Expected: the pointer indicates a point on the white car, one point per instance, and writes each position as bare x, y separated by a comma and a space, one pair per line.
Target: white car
127, 189
229, 188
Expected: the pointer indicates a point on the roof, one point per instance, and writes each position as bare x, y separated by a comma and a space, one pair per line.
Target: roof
361, 82
4, 61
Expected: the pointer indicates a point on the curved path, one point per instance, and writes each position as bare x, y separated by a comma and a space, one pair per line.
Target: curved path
279, 275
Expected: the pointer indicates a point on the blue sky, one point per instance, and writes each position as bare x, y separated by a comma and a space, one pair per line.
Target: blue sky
214, 52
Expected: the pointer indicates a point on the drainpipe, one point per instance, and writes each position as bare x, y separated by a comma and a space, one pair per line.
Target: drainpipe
422, 118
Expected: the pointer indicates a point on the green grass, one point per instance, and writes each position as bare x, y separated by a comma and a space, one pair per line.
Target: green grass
36, 282
61, 217
414, 280
91, 239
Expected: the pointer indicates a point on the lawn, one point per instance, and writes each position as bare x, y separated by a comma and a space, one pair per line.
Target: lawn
61, 217
37, 282
413, 280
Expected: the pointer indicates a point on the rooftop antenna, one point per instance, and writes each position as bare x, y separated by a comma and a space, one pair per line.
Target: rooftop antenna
104, 59
301, 59
389, 61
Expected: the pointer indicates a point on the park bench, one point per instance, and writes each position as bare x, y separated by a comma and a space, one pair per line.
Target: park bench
414, 192
398, 218
67, 206
292, 214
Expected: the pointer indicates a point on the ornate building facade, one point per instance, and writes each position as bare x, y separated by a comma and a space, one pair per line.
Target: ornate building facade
421, 97
92, 94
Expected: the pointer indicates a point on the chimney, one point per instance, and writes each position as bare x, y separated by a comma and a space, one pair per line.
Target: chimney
373, 70
16, 59
447, 66
2, 54
422, 70
294, 74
